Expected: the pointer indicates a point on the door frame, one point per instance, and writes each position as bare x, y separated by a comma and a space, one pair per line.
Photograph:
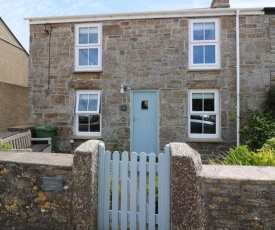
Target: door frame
131, 117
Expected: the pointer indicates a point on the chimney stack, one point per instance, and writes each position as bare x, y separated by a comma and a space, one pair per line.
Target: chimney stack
220, 4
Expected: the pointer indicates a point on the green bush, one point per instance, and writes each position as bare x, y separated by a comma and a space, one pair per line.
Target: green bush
258, 134
269, 144
258, 127
6, 146
242, 155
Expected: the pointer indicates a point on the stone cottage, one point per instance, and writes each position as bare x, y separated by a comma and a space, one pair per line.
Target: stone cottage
138, 81
14, 73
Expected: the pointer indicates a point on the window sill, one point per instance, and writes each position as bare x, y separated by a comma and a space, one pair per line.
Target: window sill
86, 137
207, 140
204, 70
88, 71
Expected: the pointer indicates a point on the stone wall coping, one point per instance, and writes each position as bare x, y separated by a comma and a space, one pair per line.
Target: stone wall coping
52, 159
22, 127
254, 173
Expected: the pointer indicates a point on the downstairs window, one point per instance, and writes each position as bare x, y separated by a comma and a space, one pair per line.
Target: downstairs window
88, 113
203, 114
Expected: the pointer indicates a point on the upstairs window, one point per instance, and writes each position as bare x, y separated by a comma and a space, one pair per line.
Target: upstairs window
88, 47
204, 114
204, 44
87, 113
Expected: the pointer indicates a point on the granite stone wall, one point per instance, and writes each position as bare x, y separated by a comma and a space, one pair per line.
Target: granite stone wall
202, 196
149, 54
36, 191
219, 197
238, 197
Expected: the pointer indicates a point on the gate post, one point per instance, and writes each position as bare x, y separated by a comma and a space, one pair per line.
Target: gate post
85, 179
187, 210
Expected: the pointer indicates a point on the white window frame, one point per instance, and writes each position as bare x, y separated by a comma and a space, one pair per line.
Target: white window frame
215, 112
88, 68
215, 42
96, 112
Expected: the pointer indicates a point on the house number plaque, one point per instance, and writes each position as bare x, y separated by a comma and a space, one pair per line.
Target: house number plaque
53, 183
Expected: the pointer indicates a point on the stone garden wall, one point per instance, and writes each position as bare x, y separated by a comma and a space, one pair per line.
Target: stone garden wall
238, 197
36, 191
202, 196
219, 197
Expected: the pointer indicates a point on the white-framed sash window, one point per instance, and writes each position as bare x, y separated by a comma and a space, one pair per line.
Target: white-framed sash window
88, 47
204, 44
88, 113
203, 117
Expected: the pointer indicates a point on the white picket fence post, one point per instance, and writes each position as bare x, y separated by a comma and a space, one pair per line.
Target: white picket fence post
164, 190
130, 187
100, 215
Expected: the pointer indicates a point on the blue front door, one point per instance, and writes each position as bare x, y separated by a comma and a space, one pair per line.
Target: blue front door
144, 133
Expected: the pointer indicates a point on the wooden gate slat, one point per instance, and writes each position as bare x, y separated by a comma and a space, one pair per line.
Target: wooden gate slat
115, 190
106, 207
152, 191
142, 192
124, 190
133, 191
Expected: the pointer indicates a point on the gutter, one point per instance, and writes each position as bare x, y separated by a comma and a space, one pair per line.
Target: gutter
269, 10
204, 12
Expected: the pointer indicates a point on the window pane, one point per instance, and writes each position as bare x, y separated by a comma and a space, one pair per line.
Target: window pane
83, 35
197, 104
203, 102
209, 124
144, 104
197, 54
209, 102
198, 29
83, 122
89, 123
210, 31
83, 57
93, 35
93, 100
83, 102
196, 124
93, 56
203, 124
94, 123
210, 54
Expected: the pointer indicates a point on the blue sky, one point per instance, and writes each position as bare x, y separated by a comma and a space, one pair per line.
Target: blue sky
13, 12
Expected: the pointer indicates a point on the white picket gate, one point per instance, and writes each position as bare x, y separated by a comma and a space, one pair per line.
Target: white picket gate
127, 190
